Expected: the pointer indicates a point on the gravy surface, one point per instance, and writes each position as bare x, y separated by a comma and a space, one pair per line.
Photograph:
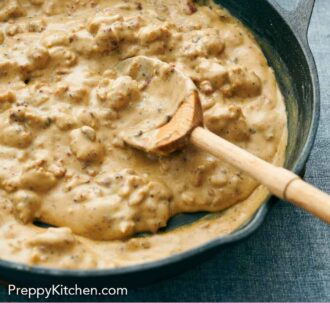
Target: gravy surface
64, 108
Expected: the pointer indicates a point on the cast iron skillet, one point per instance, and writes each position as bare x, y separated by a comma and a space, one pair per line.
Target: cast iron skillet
283, 37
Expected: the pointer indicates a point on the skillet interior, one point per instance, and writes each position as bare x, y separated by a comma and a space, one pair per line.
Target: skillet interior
294, 68
296, 73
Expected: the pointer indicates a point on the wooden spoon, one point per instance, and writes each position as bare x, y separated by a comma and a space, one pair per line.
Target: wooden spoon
186, 127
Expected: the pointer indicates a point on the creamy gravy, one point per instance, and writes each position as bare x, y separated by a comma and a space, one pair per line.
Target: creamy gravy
64, 107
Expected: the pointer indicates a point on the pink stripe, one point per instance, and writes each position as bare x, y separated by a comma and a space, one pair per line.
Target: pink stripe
164, 316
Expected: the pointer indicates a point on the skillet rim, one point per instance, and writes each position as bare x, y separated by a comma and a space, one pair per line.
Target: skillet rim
246, 231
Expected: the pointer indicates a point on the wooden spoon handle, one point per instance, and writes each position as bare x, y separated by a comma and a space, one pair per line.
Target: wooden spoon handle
281, 182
